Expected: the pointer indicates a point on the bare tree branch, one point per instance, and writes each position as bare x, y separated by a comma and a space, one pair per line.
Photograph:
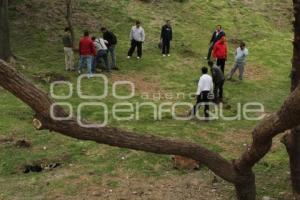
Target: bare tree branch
239, 174
11, 80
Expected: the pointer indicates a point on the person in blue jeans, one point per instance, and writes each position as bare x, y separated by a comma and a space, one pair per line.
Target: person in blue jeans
112, 40
101, 46
87, 51
88, 60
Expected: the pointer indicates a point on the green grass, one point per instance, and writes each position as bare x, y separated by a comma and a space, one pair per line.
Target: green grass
37, 38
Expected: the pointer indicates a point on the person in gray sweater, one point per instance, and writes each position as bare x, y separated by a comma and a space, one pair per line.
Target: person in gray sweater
240, 61
137, 37
218, 79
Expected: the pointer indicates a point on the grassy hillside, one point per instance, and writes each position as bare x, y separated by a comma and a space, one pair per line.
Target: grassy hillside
92, 171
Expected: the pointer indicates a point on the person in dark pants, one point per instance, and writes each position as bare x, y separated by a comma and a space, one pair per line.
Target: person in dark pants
218, 80
217, 35
111, 38
166, 37
137, 37
100, 45
220, 53
205, 87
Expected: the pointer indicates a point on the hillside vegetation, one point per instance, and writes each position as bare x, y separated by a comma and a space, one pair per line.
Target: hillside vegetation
92, 171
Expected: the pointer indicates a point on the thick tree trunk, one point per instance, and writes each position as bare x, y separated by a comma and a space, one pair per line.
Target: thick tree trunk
68, 15
246, 189
5, 51
292, 139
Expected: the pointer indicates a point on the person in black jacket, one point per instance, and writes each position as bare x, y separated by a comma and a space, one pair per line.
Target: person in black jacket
217, 35
166, 38
111, 38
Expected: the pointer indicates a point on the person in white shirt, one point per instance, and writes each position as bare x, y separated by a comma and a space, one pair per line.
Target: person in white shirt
205, 88
240, 61
101, 47
137, 37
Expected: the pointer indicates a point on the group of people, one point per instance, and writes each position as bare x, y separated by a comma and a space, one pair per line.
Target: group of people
210, 88
92, 49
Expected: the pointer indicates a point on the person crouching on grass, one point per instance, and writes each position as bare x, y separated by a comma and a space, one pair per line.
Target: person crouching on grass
218, 79
102, 51
205, 88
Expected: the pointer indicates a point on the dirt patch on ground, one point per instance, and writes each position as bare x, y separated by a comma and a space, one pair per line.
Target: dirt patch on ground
255, 72
130, 187
6, 140
143, 84
233, 142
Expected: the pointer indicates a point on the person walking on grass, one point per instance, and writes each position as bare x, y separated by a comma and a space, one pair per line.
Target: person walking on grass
218, 80
166, 37
205, 88
220, 53
68, 50
112, 40
102, 51
240, 61
216, 36
137, 37
87, 51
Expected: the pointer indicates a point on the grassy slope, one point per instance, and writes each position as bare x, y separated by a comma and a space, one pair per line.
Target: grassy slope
37, 39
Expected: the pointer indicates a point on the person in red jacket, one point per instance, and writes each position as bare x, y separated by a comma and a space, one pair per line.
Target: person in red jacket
87, 52
220, 53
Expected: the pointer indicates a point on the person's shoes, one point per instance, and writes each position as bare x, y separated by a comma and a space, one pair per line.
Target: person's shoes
128, 57
138, 57
164, 55
169, 55
79, 71
90, 76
